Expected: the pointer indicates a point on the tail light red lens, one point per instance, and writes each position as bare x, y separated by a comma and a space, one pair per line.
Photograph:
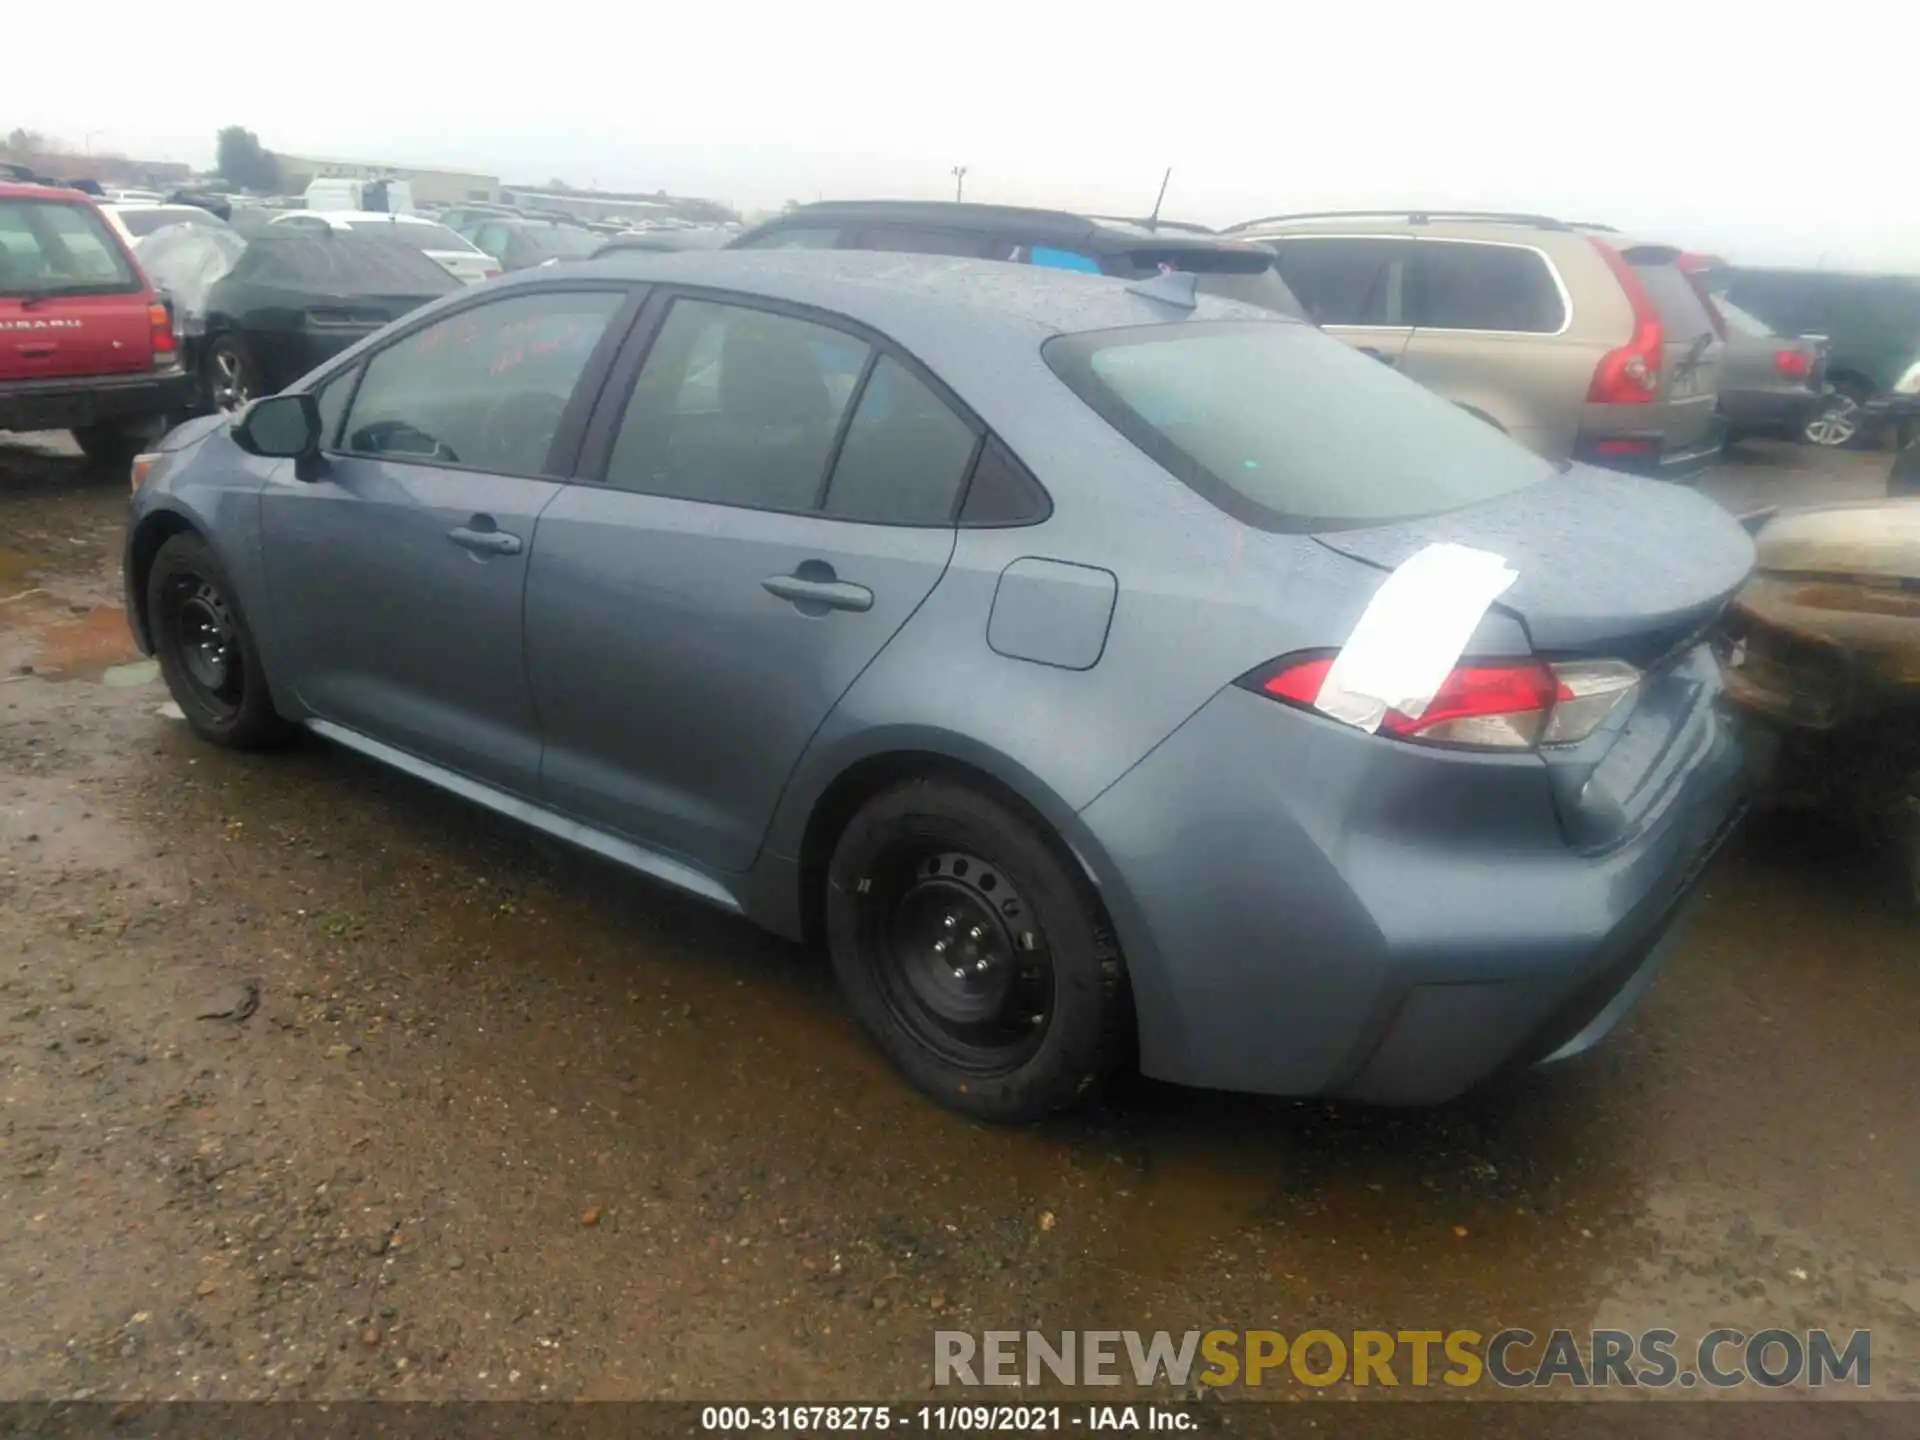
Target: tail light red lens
1505, 704
160, 318
1794, 364
1629, 375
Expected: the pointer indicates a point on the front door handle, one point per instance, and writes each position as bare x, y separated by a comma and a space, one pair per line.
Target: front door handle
485, 542
830, 594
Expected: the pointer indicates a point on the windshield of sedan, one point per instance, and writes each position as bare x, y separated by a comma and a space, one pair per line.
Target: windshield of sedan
49, 247
1286, 429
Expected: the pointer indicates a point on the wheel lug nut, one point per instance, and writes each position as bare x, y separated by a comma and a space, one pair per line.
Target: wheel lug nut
939, 947
958, 973
975, 933
950, 922
980, 964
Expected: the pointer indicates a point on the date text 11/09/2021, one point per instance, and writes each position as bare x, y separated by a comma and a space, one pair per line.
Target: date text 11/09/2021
953, 1417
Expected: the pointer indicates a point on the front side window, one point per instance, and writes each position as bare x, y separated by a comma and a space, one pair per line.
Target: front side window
1284, 428
51, 248
737, 407
1342, 280
905, 456
331, 398
1460, 285
486, 387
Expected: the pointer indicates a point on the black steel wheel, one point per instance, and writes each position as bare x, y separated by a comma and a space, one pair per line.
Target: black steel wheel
206, 653
974, 954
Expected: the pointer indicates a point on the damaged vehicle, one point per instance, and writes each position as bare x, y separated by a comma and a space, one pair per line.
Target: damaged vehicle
1822, 650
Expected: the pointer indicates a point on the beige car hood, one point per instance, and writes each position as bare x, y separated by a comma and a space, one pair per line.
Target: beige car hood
1869, 538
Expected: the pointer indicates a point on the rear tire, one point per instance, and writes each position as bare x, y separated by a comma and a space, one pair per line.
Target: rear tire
974, 954
205, 650
1841, 422
109, 446
231, 376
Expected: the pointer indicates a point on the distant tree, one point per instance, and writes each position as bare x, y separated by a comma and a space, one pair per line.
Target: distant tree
244, 161
559, 185
23, 141
710, 211
789, 207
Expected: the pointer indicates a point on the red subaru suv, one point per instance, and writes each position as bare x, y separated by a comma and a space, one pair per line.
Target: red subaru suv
85, 344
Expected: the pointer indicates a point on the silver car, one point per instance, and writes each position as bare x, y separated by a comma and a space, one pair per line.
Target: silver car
1007, 631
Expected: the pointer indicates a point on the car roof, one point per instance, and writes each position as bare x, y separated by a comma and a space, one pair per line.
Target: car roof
347, 216
24, 190
1101, 233
929, 301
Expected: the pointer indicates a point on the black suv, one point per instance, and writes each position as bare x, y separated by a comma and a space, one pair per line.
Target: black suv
1102, 245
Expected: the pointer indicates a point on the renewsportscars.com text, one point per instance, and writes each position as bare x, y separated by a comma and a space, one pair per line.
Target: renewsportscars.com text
1512, 1358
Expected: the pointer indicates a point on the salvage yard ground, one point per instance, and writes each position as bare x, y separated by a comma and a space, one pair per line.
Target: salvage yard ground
320, 1084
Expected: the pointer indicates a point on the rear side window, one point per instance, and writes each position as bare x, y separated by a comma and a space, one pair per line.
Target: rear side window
736, 406
797, 238
1286, 429
1682, 314
49, 248
917, 240
484, 388
1342, 280
905, 456
1460, 285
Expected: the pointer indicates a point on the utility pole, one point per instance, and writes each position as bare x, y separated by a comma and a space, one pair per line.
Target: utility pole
959, 173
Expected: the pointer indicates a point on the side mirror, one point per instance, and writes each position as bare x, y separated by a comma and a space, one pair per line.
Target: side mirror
283, 427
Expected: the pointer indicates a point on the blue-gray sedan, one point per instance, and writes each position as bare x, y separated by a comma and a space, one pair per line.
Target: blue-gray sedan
1104, 675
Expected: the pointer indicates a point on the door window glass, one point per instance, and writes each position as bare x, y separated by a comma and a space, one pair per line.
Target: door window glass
484, 388
797, 238
1344, 281
1462, 286
331, 398
905, 455
915, 240
737, 407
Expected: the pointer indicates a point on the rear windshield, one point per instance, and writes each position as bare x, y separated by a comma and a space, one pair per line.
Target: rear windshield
1740, 322
334, 264
566, 241
1682, 314
1286, 429
50, 248
143, 221
420, 234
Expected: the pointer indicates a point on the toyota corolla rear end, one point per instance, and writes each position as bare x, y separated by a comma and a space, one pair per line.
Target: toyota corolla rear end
1447, 822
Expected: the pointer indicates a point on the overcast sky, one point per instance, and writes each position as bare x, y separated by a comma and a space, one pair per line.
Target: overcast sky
1734, 127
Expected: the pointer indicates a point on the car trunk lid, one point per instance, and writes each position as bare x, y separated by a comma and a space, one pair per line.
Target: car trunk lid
1609, 565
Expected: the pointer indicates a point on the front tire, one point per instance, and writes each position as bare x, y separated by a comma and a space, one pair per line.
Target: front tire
974, 954
206, 653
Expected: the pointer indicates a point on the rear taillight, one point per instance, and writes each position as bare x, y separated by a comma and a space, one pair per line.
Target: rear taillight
1909, 383
166, 345
1506, 704
1794, 364
1629, 375
489, 274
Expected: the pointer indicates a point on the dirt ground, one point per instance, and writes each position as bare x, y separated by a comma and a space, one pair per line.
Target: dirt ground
320, 1084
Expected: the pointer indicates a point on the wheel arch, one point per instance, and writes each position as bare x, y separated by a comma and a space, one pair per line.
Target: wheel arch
153, 530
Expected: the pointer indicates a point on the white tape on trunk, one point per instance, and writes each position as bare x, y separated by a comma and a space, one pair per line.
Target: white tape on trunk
1412, 633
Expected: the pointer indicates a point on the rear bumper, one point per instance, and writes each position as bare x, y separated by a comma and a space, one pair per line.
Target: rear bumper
1307, 910
1649, 453
70, 403
1779, 410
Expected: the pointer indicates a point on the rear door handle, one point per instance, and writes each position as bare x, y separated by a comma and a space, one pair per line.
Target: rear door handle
485, 542
834, 594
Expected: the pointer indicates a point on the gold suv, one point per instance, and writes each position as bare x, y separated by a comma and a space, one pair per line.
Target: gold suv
1579, 342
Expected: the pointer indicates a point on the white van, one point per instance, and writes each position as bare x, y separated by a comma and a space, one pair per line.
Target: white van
391, 197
